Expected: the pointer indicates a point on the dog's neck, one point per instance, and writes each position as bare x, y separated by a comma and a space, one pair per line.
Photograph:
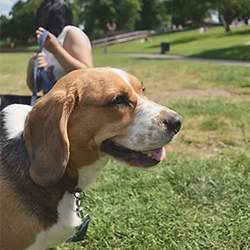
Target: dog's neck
82, 177
88, 174
85, 163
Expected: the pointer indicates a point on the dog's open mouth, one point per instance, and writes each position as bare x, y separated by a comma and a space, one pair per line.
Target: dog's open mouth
134, 158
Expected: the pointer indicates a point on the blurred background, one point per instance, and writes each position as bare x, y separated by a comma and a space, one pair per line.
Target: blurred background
194, 57
127, 15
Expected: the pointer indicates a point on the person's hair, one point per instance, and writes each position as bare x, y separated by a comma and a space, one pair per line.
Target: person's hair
53, 15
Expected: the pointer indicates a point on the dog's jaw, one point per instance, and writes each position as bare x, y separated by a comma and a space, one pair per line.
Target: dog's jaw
133, 157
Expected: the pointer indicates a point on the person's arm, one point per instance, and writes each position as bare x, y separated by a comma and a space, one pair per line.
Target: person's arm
76, 52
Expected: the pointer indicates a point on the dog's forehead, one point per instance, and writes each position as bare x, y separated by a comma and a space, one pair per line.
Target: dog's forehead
122, 74
128, 79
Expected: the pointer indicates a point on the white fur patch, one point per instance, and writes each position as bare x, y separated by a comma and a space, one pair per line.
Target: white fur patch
14, 119
121, 74
146, 132
63, 229
88, 174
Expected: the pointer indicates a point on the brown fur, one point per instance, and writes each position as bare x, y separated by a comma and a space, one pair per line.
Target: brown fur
18, 228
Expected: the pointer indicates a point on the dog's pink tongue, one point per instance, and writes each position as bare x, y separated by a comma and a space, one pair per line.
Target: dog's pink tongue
159, 154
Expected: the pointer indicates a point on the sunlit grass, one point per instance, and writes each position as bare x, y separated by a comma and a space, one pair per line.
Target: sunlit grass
215, 43
185, 203
13, 73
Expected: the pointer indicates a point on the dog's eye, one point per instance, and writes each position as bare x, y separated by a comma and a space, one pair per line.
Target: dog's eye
120, 100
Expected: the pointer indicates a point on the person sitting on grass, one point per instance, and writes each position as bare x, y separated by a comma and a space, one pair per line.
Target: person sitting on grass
66, 47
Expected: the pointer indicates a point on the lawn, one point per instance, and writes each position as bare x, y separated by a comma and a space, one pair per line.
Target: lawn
199, 198
212, 44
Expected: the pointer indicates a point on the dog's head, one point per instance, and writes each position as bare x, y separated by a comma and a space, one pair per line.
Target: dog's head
93, 112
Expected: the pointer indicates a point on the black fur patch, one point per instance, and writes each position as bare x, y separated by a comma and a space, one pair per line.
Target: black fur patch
15, 164
6, 100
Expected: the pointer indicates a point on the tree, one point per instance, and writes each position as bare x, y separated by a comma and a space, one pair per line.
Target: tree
97, 13
3, 26
231, 9
153, 14
245, 10
20, 26
228, 11
127, 13
184, 11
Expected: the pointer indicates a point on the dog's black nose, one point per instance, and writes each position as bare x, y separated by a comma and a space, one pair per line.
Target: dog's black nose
173, 123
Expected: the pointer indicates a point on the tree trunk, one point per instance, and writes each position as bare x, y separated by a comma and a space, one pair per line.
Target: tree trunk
227, 27
225, 24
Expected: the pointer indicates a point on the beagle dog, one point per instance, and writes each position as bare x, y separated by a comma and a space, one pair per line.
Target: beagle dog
63, 142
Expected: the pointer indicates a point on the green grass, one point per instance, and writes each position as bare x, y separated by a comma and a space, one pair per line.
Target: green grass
13, 72
186, 203
213, 44
213, 124
199, 197
158, 75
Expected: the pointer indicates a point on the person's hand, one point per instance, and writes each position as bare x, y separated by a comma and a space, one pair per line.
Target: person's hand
51, 41
41, 61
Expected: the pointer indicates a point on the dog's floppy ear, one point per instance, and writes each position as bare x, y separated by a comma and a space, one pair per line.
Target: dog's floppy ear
47, 139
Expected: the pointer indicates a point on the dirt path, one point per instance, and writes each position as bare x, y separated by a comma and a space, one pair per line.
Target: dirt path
200, 94
185, 58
